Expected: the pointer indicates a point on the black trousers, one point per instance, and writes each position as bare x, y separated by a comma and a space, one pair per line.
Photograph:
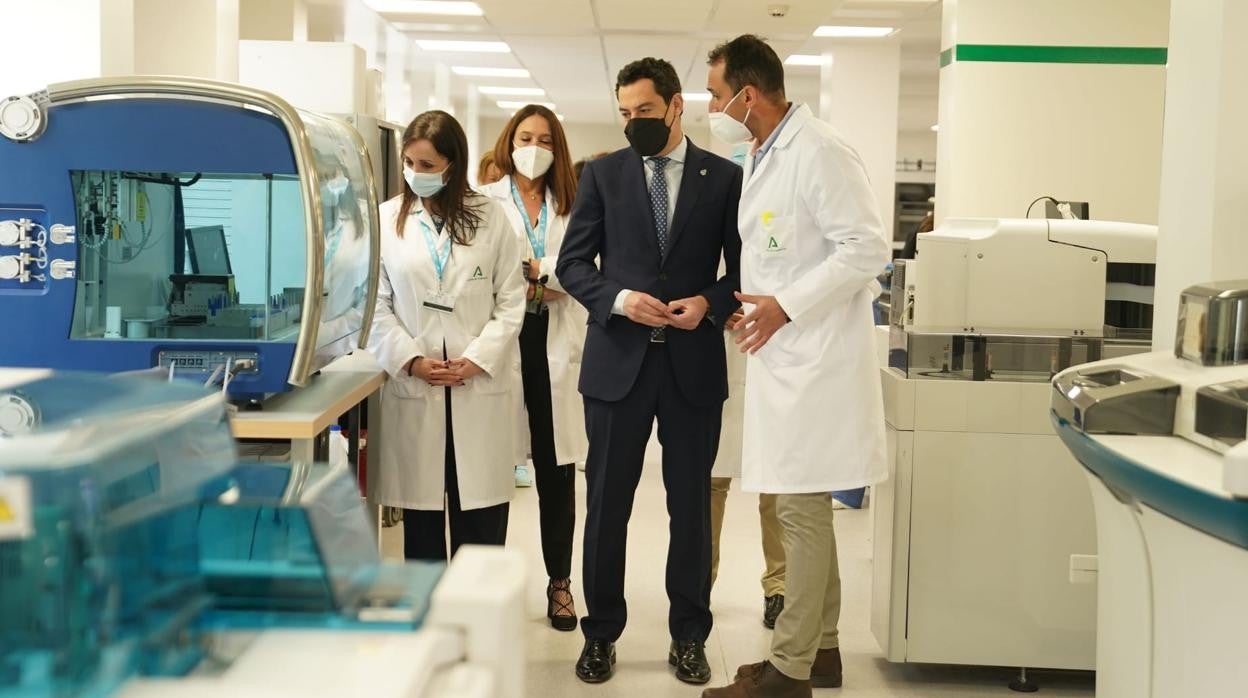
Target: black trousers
618, 434
424, 532
556, 484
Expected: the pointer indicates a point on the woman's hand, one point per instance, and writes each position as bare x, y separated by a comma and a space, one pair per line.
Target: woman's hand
435, 373
464, 369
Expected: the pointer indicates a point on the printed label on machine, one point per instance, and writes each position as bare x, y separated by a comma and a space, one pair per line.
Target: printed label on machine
208, 361
16, 521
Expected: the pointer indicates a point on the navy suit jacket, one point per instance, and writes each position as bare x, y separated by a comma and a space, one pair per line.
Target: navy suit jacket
612, 225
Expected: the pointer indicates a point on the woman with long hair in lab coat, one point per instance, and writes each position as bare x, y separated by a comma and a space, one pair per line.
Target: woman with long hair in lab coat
449, 307
536, 192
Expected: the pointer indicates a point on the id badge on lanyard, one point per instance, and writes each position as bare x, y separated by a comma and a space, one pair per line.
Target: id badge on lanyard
438, 299
537, 237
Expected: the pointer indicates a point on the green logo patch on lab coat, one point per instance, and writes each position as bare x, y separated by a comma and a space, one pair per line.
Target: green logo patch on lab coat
772, 244
478, 275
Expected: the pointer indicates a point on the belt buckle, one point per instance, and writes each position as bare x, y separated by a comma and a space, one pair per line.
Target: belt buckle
659, 337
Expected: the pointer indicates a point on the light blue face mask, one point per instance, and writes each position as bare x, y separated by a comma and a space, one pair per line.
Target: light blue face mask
424, 184
335, 189
739, 153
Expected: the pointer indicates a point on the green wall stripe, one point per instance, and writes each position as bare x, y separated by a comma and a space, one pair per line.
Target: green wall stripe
1103, 55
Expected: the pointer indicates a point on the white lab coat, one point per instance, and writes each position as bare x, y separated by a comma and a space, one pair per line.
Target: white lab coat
565, 341
486, 282
811, 236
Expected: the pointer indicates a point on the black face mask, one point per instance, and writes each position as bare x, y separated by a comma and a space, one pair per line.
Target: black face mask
648, 136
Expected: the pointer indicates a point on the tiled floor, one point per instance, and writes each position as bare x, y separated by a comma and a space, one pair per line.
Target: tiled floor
739, 635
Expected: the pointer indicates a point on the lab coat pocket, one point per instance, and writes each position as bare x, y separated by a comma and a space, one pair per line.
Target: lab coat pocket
793, 346
485, 384
408, 387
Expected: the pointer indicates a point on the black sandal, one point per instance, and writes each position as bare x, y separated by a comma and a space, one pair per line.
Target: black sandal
562, 615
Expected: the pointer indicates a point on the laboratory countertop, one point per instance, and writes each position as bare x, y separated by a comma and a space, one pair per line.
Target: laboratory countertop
1165, 473
305, 412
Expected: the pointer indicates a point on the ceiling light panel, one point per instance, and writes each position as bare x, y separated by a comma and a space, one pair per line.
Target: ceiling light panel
845, 32
499, 91
440, 45
469, 71
512, 105
425, 7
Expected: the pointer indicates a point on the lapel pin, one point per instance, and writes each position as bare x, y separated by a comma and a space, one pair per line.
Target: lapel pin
703, 173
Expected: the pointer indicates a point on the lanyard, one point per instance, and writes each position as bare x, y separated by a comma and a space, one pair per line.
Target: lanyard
440, 260
539, 245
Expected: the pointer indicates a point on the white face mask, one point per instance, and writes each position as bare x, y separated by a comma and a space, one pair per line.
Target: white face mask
424, 184
532, 161
728, 129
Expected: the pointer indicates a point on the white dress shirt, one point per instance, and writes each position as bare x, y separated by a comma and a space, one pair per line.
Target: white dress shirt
674, 171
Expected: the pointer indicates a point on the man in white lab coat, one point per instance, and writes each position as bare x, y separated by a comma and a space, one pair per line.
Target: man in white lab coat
812, 245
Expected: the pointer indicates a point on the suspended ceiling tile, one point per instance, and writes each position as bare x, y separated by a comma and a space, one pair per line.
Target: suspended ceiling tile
666, 16
561, 17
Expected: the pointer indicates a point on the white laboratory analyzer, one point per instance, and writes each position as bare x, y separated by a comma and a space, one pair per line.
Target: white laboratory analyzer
1161, 437
985, 541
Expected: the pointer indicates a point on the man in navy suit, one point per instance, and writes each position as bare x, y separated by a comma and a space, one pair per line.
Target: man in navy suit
658, 216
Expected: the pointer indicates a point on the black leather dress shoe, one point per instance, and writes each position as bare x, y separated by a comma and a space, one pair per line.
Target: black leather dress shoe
689, 658
772, 606
597, 662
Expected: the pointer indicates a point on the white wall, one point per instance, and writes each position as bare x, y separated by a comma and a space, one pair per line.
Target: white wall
1011, 132
860, 93
29, 58
318, 76
915, 145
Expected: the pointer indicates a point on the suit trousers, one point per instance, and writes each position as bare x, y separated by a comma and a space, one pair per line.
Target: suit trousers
618, 435
812, 607
773, 544
556, 484
424, 532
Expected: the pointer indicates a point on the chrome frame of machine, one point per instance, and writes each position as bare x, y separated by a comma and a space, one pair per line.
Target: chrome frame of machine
984, 524
304, 362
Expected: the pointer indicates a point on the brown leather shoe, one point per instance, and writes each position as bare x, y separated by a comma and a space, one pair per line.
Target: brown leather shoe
767, 682
824, 673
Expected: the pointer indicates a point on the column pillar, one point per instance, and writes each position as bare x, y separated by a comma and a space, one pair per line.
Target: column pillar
196, 38
50, 42
1204, 184
472, 127
1060, 98
441, 97
859, 90
273, 20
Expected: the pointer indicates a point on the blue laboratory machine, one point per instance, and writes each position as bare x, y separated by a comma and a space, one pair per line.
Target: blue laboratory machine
204, 227
139, 557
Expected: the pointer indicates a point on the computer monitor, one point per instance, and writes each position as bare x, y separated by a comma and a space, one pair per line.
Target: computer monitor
209, 253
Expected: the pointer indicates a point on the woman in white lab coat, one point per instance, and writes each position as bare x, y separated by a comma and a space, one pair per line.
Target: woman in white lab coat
449, 307
536, 192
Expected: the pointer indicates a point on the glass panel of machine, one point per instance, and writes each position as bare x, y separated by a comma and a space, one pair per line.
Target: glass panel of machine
348, 220
188, 256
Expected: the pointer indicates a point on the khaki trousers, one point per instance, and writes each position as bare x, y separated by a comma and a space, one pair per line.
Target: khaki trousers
812, 606
773, 545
